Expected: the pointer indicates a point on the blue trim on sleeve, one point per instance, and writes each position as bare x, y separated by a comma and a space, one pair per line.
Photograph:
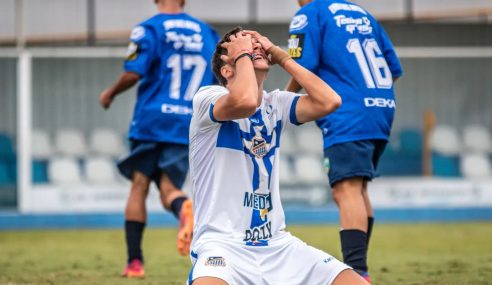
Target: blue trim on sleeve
134, 69
398, 73
292, 116
211, 113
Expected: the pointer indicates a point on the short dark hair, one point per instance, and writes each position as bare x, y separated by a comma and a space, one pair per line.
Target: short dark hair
217, 62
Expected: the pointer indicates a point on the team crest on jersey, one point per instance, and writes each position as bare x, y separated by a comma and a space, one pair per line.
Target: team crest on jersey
259, 147
132, 52
296, 45
215, 261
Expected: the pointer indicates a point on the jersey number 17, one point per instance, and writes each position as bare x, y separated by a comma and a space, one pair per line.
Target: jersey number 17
179, 63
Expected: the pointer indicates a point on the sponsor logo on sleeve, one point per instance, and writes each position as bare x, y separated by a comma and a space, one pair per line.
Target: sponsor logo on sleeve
298, 22
296, 45
132, 52
137, 33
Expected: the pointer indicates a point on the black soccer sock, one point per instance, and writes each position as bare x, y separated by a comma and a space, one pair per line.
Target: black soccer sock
134, 232
354, 249
176, 205
370, 223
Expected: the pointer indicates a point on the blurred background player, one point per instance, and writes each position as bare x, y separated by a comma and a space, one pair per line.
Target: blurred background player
348, 49
240, 235
169, 54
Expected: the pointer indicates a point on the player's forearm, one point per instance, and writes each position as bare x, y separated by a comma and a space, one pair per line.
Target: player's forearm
126, 81
321, 98
243, 91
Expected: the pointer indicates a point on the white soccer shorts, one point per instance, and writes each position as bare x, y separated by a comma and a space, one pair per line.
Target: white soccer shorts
289, 261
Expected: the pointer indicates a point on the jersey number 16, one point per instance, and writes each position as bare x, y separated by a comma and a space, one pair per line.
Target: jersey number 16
372, 63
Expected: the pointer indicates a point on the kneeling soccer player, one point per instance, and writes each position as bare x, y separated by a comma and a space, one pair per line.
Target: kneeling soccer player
235, 133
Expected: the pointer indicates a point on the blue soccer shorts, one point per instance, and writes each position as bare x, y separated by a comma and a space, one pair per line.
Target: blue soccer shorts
154, 158
353, 159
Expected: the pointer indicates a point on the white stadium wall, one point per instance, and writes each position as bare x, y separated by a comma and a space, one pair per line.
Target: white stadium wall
65, 92
7, 19
68, 18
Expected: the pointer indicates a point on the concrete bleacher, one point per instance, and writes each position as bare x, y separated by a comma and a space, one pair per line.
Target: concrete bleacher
403, 154
71, 156
467, 154
65, 159
85, 179
446, 147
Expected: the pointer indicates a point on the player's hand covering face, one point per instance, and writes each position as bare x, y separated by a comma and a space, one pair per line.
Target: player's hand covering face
260, 45
264, 41
239, 43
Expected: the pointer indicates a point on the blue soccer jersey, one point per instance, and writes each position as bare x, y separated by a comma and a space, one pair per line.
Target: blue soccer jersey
172, 54
346, 47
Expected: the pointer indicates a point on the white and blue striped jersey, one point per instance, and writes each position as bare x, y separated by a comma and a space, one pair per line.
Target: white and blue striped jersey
234, 167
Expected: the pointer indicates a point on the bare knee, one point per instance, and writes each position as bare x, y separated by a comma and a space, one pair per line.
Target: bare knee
135, 207
168, 191
209, 281
140, 184
338, 195
347, 189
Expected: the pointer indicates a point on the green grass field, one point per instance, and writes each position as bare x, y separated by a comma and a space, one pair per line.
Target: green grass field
448, 254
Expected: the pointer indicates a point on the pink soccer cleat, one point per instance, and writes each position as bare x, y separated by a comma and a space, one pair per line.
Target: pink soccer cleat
134, 269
